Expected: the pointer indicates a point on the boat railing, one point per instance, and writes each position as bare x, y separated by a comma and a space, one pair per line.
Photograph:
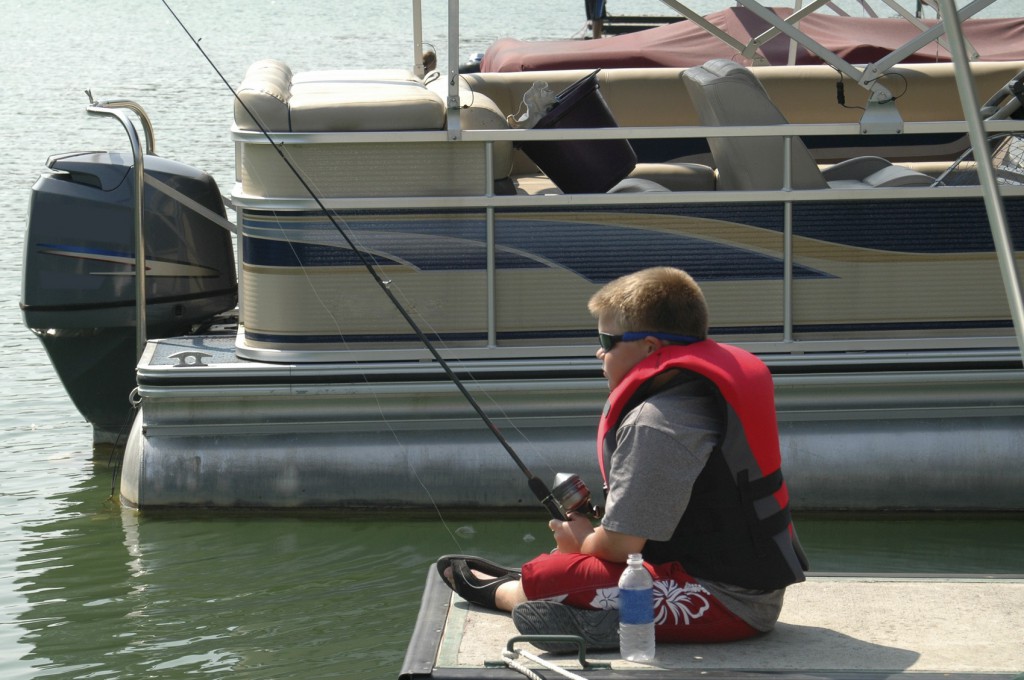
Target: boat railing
487, 202
116, 108
486, 198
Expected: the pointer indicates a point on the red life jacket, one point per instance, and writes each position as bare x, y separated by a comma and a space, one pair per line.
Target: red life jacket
736, 528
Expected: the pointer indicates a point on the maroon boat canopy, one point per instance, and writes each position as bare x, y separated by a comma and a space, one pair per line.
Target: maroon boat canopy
682, 44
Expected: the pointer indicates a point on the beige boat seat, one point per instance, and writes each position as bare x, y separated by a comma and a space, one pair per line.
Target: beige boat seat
353, 100
725, 93
677, 176
477, 111
646, 177
358, 100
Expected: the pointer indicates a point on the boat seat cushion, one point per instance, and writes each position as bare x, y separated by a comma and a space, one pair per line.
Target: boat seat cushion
645, 177
677, 176
335, 101
264, 93
364, 106
348, 75
634, 185
875, 172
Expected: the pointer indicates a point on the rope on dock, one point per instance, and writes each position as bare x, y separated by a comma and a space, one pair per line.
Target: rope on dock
510, 656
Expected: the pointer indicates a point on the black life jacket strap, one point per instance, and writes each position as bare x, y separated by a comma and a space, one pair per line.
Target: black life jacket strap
763, 487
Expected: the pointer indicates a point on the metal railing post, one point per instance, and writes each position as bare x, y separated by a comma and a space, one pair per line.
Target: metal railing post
492, 283
113, 109
986, 176
787, 242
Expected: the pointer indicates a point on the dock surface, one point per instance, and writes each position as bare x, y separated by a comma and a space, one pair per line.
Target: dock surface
832, 626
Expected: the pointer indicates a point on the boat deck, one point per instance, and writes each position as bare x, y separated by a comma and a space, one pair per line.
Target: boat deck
832, 626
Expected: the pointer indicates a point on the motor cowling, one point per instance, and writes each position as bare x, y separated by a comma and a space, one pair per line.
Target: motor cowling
79, 260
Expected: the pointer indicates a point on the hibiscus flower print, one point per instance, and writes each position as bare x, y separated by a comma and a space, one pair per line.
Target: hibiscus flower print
684, 603
606, 598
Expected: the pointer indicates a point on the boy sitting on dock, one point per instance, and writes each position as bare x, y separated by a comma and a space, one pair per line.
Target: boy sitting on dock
688, 446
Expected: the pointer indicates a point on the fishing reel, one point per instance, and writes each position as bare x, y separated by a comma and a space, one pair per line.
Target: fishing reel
573, 496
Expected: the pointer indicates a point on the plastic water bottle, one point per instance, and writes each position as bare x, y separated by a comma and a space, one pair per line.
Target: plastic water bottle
636, 611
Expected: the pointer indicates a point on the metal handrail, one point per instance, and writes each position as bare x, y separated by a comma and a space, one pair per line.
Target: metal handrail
620, 132
993, 200
114, 109
134, 107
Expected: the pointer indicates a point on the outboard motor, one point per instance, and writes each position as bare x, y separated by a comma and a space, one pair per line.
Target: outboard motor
78, 291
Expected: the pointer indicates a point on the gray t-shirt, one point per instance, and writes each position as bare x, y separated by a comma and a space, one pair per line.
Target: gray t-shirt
661, 447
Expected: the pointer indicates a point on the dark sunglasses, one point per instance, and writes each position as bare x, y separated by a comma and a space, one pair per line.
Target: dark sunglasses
608, 341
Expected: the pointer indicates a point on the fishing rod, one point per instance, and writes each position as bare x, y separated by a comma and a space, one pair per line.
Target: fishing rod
537, 486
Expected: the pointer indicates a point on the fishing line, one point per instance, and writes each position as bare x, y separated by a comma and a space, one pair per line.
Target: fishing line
287, 238
310, 234
537, 486
290, 239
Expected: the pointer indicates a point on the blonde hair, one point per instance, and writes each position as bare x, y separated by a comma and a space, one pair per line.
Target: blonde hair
662, 299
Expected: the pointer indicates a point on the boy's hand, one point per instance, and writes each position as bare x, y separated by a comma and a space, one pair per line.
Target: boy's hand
578, 535
569, 536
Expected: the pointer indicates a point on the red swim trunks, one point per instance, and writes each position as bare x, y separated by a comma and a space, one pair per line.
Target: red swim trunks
684, 611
